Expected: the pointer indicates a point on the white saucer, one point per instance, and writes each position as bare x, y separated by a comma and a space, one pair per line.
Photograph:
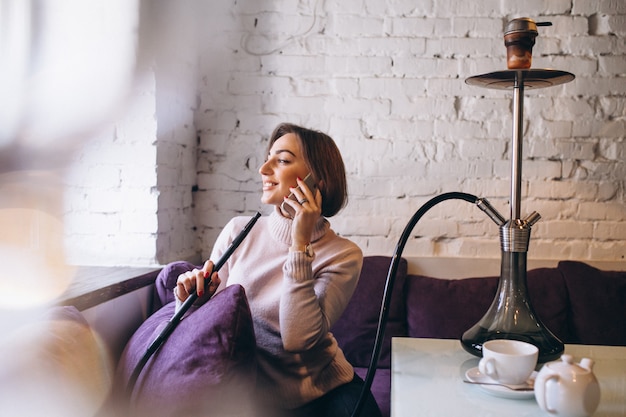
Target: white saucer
474, 375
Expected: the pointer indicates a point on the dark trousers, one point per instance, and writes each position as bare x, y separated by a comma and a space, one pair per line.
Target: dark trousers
339, 402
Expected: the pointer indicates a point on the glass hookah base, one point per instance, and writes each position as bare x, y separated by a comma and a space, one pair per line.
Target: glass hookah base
550, 348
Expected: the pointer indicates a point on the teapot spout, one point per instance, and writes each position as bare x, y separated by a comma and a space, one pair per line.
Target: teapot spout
587, 363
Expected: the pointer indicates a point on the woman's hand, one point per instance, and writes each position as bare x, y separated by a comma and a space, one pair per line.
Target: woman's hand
194, 280
308, 209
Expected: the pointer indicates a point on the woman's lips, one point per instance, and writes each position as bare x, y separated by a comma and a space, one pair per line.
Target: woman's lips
267, 185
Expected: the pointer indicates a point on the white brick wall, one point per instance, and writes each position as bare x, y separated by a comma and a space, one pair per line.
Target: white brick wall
386, 80
111, 207
129, 192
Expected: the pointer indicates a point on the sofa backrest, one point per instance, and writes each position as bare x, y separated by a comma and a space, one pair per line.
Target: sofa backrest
575, 301
597, 301
355, 330
446, 308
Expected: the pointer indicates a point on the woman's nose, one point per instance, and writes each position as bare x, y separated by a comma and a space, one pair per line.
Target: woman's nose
264, 169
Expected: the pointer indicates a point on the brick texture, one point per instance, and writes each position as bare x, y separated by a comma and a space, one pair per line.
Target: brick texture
386, 80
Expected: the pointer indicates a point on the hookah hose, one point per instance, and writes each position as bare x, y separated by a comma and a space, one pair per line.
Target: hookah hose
176, 318
391, 277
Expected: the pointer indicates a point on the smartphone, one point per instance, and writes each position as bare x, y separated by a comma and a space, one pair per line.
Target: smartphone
310, 183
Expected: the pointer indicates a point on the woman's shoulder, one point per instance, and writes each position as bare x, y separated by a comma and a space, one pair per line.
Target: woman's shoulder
341, 245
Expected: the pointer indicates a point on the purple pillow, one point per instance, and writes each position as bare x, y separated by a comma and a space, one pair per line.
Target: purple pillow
355, 330
549, 298
446, 308
206, 366
598, 303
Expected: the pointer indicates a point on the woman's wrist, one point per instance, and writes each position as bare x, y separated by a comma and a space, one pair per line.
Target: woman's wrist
306, 248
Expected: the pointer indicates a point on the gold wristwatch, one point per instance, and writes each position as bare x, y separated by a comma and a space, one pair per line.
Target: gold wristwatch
307, 249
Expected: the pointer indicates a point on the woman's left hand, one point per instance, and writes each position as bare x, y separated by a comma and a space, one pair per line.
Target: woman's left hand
308, 208
195, 281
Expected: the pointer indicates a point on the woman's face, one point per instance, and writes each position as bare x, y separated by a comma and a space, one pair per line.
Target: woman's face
284, 164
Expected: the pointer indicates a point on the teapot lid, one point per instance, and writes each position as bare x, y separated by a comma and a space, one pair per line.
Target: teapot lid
566, 364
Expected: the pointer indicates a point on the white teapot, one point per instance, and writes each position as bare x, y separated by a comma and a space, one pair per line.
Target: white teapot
567, 389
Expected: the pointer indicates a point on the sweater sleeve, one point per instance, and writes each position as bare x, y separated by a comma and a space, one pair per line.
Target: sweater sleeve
313, 298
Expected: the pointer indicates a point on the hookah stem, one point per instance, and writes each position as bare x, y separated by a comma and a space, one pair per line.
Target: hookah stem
176, 318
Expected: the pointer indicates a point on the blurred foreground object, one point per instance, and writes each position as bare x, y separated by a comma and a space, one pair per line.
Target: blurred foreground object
54, 367
65, 66
66, 69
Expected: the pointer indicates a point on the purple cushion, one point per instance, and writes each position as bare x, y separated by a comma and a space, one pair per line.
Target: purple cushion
207, 364
355, 330
549, 298
598, 303
446, 308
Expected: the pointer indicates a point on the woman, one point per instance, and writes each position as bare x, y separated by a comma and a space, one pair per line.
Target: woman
298, 276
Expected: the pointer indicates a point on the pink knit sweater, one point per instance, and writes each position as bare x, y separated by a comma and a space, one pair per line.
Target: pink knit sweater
294, 302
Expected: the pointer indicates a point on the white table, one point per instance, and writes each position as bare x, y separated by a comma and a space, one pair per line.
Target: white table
427, 381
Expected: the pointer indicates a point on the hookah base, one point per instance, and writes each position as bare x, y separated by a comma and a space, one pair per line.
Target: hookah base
550, 348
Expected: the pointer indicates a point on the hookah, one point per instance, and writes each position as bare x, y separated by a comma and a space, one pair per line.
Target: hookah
511, 315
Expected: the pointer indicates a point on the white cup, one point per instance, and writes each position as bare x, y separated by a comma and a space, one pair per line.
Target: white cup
508, 361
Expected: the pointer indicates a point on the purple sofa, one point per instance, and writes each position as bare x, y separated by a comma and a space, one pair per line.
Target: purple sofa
578, 303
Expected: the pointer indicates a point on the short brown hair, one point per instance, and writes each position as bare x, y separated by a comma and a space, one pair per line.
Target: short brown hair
324, 161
